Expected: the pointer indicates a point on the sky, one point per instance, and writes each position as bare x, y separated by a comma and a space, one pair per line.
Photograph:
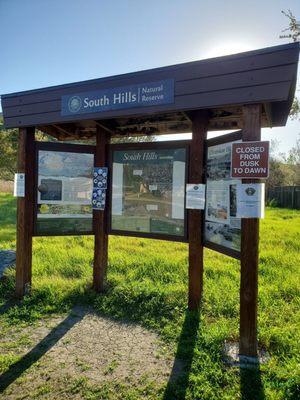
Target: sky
51, 42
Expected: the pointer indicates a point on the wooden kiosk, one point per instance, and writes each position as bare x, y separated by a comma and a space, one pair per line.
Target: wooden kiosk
241, 92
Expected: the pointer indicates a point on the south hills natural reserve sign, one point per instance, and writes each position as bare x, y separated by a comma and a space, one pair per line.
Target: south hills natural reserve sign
250, 160
140, 95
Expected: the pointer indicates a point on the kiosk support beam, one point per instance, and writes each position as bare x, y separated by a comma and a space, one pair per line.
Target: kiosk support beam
25, 210
99, 219
249, 250
195, 217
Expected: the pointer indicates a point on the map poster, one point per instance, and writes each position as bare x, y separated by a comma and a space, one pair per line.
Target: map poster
64, 195
148, 191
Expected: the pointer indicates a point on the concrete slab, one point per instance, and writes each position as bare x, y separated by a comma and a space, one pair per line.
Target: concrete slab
234, 359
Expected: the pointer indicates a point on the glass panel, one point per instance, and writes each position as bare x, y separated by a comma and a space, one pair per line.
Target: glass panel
221, 224
64, 192
148, 191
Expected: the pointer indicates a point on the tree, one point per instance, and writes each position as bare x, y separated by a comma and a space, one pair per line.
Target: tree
9, 148
293, 161
8, 152
293, 33
293, 28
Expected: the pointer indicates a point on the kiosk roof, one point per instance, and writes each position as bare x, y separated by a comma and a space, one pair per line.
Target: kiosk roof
221, 85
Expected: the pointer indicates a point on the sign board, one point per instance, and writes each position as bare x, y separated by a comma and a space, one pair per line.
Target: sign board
251, 200
148, 190
222, 230
64, 189
250, 160
19, 185
99, 188
139, 95
195, 196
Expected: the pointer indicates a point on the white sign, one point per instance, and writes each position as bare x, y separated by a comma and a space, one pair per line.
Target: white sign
251, 200
195, 196
138, 172
19, 185
152, 187
152, 207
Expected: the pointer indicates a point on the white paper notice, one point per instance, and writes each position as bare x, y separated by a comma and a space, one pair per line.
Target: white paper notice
19, 185
138, 172
152, 207
251, 200
195, 196
152, 187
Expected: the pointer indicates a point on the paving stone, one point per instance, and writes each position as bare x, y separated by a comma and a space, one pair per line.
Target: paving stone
7, 259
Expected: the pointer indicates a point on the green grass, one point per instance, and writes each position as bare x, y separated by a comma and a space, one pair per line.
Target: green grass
147, 283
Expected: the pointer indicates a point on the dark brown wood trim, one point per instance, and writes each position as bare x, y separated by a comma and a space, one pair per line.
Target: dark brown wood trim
196, 217
145, 235
229, 137
65, 147
100, 218
150, 145
221, 249
25, 209
88, 233
249, 251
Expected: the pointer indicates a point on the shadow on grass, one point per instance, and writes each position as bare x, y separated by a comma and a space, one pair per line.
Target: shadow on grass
251, 384
19, 367
6, 306
179, 377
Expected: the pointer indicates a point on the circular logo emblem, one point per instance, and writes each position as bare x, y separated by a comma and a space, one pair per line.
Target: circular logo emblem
250, 191
74, 104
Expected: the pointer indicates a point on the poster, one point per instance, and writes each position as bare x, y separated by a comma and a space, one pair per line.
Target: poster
100, 177
222, 225
251, 200
195, 196
148, 189
64, 190
64, 196
19, 185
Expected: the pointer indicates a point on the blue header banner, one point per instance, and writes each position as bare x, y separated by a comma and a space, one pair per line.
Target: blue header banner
140, 95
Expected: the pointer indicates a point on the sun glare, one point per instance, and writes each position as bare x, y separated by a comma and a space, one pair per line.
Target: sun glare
228, 48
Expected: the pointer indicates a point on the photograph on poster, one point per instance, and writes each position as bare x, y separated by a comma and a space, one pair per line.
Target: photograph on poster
148, 191
222, 226
64, 197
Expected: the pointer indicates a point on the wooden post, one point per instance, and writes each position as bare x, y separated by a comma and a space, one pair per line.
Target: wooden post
195, 217
99, 219
25, 211
249, 251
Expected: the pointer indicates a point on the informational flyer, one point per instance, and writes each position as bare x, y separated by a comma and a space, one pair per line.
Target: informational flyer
195, 196
19, 185
251, 200
222, 226
100, 176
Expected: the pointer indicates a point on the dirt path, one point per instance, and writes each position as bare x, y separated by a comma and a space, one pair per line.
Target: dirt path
83, 349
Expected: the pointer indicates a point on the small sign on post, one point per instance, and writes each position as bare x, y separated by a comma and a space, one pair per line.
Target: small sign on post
195, 196
99, 188
250, 160
251, 200
19, 185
